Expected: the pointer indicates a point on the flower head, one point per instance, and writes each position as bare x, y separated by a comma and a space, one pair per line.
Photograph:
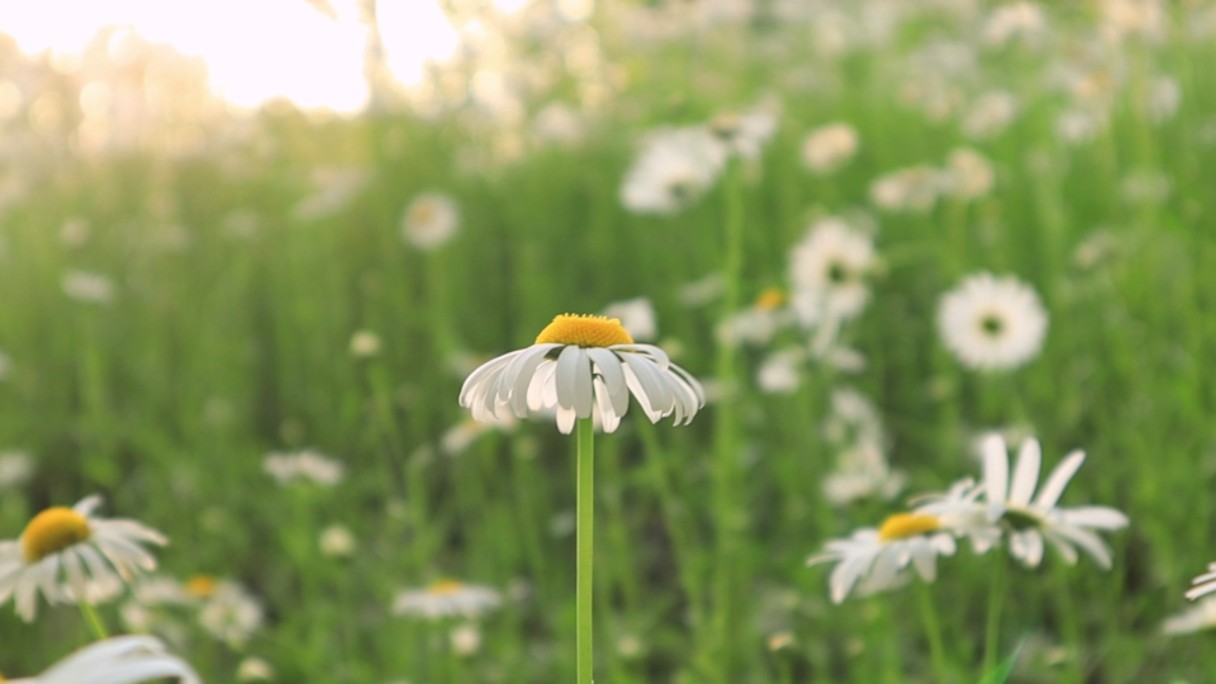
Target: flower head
827, 148
447, 598
70, 555
675, 167
580, 365
1029, 520
876, 559
1204, 584
828, 269
430, 221
992, 323
120, 660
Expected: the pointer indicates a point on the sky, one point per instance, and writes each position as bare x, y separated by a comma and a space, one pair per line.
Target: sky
255, 50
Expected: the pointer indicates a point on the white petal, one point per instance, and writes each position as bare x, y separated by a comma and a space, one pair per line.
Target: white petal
1050, 494
1026, 473
996, 469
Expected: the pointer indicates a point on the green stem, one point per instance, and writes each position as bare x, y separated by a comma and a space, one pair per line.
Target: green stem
933, 632
992, 635
585, 510
94, 620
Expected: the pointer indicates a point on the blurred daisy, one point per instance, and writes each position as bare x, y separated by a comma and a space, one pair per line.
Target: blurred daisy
303, 466
364, 344
675, 167
88, 287
337, 541
120, 660
827, 148
779, 372
637, 316
992, 323
1201, 616
969, 175
16, 467
862, 471
461, 436
430, 221
1030, 520
1204, 584
873, 560
465, 640
746, 133
447, 598
254, 669
757, 324
69, 555
990, 114
581, 365
914, 189
227, 610
828, 270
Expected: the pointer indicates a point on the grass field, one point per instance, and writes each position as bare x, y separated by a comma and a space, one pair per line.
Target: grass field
173, 320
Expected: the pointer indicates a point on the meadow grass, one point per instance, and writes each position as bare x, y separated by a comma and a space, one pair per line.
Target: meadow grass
224, 345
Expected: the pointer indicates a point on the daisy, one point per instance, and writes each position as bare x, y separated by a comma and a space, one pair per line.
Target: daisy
757, 324
580, 365
914, 189
120, 660
303, 466
1198, 617
69, 555
1030, 520
827, 148
87, 287
992, 323
674, 168
828, 270
1204, 584
430, 221
876, 559
637, 316
447, 598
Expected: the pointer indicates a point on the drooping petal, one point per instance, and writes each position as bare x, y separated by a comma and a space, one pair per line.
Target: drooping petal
996, 469
1058, 480
1026, 473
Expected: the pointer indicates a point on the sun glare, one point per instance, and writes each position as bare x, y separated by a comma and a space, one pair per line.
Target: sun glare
255, 51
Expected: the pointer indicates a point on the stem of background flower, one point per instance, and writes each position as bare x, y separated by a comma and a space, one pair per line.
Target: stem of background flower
726, 442
933, 632
992, 633
585, 511
95, 624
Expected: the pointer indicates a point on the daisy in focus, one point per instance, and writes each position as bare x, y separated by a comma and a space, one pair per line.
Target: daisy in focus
1204, 584
69, 555
1031, 520
877, 559
578, 366
991, 323
120, 660
447, 598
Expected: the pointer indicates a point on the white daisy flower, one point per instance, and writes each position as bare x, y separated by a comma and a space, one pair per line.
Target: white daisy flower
580, 365
120, 660
969, 175
862, 471
1030, 520
303, 466
1199, 617
93, 288
447, 598
430, 221
16, 468
828, 270
69, 555
873, 560
915, 189
1204, 584
992, 323
990, 114
827, 148
757, 324
254, 669
637, 316
227, 610
674, 168
745, 134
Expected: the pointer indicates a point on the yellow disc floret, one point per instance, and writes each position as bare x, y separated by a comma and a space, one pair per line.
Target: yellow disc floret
445, 587
904, 525
51, 531
201, 586
770, 299
584, 331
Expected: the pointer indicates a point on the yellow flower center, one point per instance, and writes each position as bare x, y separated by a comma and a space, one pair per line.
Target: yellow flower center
770, 299
51, 531
201, 586
445, 587
422, 212
584, 331
904, 525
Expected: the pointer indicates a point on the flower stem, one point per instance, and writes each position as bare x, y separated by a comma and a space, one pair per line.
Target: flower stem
933, 632
992, 633
585, 511
94, 620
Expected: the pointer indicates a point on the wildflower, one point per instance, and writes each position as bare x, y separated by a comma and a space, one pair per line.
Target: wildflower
828, 270
120, 660
16, 467
1162, 98
745, 134
227, 610
88, 287
465, 639
862, 471
1028, 521
1198, 617
1023, 20
430, 221
337, 541
364, 344
447, 598
875, 559
254, 669
1204, 584
560, 124
580, 365
778, 373
827, 148
460, 436
990, 114
306, 465
674, 168
914, 189
332, 189
757, 324
968, 174
992, 323
69, 555
637, 316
